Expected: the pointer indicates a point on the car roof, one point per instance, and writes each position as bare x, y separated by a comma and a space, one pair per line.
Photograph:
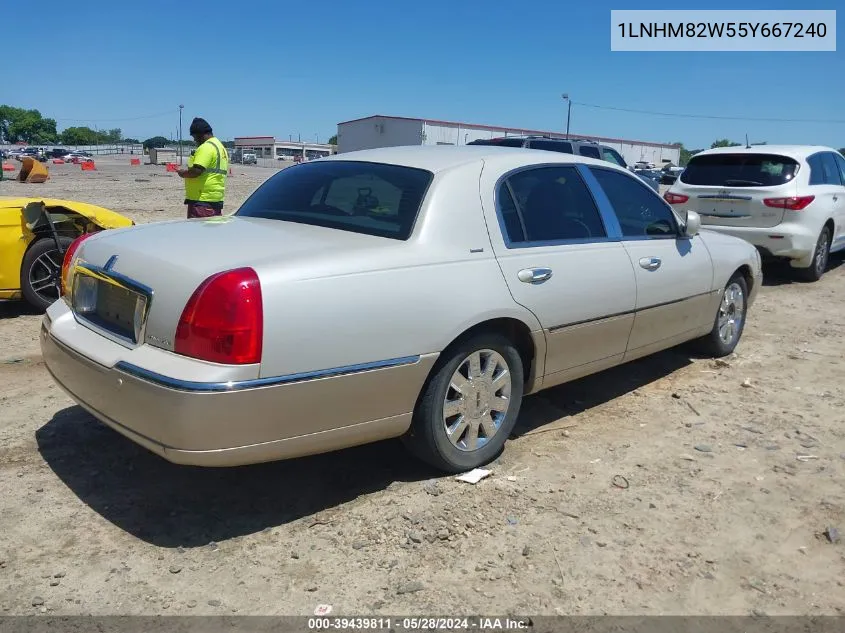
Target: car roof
436, 158
792, 151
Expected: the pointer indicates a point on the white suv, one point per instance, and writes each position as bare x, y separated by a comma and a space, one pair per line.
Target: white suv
787, 200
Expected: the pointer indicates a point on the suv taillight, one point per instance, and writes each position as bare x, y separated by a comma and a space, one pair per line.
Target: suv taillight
69, 254
794, 203
223, 321
675, 198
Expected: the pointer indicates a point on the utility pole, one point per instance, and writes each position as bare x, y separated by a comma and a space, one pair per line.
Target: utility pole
566, 98
180, 134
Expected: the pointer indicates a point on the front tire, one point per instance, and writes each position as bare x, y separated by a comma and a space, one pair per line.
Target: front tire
41, 272
469, 405
821, 255
730, 320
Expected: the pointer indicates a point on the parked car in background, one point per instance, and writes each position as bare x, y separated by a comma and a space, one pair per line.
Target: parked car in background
35, 233
669, 174
581, 147
787, 200
249, 159
414, 292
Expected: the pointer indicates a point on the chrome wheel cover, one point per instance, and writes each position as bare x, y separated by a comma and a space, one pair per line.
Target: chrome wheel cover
477, 400
731, 313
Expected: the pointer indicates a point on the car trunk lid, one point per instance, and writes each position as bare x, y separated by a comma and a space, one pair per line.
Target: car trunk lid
143, 277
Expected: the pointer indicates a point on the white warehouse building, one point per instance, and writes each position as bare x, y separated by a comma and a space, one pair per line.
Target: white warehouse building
390, 131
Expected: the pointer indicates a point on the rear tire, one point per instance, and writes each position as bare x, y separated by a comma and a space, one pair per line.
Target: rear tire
821, 255
729, 322
459, 422
41, 272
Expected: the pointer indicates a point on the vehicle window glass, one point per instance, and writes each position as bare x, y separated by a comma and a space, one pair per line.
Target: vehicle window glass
739, 170
503, 142
554, 146
553, 203
612, 156
816, 169
371, 198
510, 215
830, 169
841, 164
641, 212
590, 151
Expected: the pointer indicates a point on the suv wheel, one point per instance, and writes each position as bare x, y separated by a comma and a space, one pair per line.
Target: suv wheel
820, 257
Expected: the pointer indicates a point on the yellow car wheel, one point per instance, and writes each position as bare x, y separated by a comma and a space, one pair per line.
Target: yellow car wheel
41, 272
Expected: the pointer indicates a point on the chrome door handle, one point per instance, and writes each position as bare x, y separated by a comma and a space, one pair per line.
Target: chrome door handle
650, 263
534, 275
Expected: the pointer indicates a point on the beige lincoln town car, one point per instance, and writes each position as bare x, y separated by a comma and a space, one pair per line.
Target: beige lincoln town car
414, 292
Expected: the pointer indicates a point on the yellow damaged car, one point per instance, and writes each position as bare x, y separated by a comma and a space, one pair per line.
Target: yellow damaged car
35, 233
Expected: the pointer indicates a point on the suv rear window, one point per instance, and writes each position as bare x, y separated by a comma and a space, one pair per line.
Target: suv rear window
740, 170
371, 198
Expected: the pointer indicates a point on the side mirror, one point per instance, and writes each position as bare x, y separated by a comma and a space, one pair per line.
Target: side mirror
692, 224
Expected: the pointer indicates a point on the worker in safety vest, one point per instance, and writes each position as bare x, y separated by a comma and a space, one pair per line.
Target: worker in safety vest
205, 177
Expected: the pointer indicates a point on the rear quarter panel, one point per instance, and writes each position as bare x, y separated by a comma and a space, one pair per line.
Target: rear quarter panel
729, 254
416, 298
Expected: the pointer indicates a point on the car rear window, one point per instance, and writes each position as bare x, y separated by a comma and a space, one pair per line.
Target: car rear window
740, 170
370, 198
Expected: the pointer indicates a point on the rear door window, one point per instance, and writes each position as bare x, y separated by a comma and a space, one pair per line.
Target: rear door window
590, 151
549, 204
554, 146
830, 169
840, 162
739, 170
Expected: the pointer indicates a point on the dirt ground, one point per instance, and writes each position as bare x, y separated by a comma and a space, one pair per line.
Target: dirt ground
671, 485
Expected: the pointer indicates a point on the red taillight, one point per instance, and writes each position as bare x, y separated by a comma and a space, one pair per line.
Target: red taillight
223, 320
674, 198
69, 253
794, 203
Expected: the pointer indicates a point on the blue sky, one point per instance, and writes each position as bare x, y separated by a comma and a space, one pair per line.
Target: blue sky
273, 67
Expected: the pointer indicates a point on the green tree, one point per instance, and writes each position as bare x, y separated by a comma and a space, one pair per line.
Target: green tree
724, 143
333, 140
133, 141
686, 154
17, 124
155, 141
842, 150
79, 136
114, 135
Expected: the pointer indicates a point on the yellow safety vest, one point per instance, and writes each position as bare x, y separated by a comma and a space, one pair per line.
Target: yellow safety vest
210, 186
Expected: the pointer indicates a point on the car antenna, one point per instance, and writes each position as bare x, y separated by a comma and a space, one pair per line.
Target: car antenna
747, 144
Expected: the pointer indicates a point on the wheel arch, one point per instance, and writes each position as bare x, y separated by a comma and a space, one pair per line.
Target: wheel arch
531, 346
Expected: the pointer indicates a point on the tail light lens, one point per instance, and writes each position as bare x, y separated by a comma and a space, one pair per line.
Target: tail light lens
675, 198
66, 262
794, 203
223, 320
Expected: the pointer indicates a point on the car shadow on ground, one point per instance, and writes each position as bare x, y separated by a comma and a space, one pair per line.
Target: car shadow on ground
15, 309
550, 405
781, 274
169, 505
